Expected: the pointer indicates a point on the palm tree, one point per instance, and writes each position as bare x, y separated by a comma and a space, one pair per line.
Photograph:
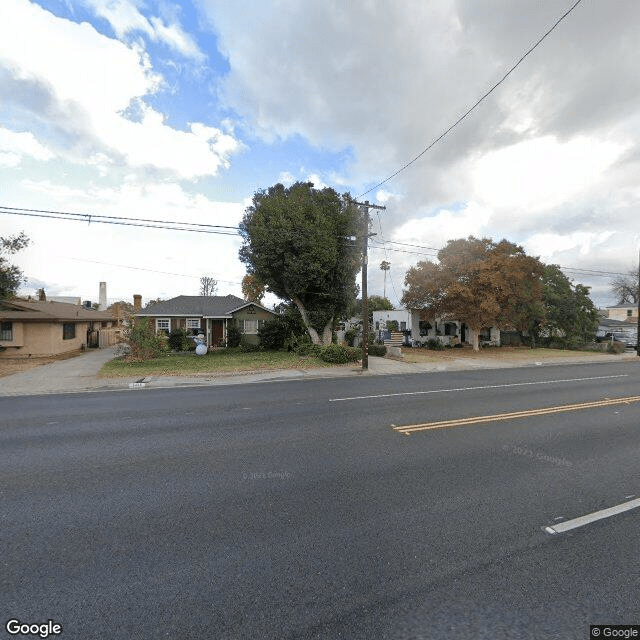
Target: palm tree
385, 266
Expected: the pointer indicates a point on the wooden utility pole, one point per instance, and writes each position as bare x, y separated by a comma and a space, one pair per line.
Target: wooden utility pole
365, 260
638, 310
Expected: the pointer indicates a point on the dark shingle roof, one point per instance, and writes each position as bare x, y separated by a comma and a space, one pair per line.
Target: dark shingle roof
205, 306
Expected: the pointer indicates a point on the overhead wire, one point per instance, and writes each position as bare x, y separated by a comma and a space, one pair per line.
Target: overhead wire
194, 227
477, 103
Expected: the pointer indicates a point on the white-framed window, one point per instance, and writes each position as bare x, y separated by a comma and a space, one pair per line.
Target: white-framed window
193, 323
163, 323
250, 326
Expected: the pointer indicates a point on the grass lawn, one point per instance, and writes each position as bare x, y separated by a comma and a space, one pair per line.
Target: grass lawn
217, 361
511, 354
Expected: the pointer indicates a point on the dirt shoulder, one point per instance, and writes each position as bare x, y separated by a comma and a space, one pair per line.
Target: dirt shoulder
498, 354
9, 366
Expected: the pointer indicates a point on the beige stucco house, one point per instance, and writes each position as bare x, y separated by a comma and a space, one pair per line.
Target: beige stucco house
44, 328
209, 315
627, 312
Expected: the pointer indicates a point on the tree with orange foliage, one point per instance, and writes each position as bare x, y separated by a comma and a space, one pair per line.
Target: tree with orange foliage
480, 283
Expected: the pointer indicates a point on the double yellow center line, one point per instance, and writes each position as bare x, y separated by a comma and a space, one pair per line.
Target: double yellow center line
445, 424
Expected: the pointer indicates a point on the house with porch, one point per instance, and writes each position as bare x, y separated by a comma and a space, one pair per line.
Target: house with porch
420, 331
209, 315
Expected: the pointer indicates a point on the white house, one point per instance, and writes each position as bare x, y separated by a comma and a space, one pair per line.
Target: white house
446, 331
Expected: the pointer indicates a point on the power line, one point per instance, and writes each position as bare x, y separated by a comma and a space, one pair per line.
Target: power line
477, 103
117, 220
126, 266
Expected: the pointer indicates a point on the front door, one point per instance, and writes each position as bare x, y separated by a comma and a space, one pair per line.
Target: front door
217, 334
463, 332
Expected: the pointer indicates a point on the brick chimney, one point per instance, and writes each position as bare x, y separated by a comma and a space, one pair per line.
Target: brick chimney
137, 302
42, 296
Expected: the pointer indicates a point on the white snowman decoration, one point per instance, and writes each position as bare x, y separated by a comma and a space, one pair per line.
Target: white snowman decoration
201, 347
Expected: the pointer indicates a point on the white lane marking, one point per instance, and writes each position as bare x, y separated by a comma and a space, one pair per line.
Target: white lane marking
592, 517
489, 386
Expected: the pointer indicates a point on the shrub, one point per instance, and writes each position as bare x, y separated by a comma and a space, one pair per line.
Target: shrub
234, 336
143, 342
339, 354
180, 341
352, 335
249, 347
616, 347
377, 350
392, 325
274, 333
434, 344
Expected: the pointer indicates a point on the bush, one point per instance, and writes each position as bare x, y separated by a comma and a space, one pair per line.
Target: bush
377, 350
180, 341
392, 325
616, 347
249, 347
339, 354
234, 336
352, 335
434, 344
143, 342
274, 333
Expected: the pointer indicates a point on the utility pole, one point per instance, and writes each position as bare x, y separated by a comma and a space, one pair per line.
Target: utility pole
638, 310
365, 260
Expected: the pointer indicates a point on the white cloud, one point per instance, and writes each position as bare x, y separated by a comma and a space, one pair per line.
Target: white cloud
549, 245
541, 173
15, 145
125, 18
90, 81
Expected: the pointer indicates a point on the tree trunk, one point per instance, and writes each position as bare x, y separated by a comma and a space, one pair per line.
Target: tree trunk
315, 338
327, 333
475, 340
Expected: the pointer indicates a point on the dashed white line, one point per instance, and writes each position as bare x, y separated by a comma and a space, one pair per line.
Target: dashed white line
592, 517
488, 386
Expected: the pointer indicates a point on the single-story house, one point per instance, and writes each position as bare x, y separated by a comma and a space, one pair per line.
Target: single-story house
627, 312
209, 315
45, 328
420, 331
609, 325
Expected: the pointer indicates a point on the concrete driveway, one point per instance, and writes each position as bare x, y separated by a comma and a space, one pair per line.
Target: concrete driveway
74, 374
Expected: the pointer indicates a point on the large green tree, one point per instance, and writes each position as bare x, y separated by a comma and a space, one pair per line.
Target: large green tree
480, 283
296, 242
10, 275
570, 312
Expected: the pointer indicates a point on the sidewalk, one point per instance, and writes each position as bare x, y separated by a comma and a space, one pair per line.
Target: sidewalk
80, 374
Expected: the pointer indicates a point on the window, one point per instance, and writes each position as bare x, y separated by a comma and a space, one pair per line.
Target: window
450, 329
163, 324
251, 326
68, 330
403, 326
424, 327
6, 331
629, 312
193, 323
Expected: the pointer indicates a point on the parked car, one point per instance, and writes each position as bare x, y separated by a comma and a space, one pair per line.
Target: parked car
629, 341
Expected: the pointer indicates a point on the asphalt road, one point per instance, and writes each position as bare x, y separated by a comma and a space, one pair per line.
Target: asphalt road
296, 510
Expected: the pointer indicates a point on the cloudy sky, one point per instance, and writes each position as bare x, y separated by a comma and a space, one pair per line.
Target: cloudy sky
180, 111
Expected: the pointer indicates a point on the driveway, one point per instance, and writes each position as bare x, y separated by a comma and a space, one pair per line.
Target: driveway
74, 374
